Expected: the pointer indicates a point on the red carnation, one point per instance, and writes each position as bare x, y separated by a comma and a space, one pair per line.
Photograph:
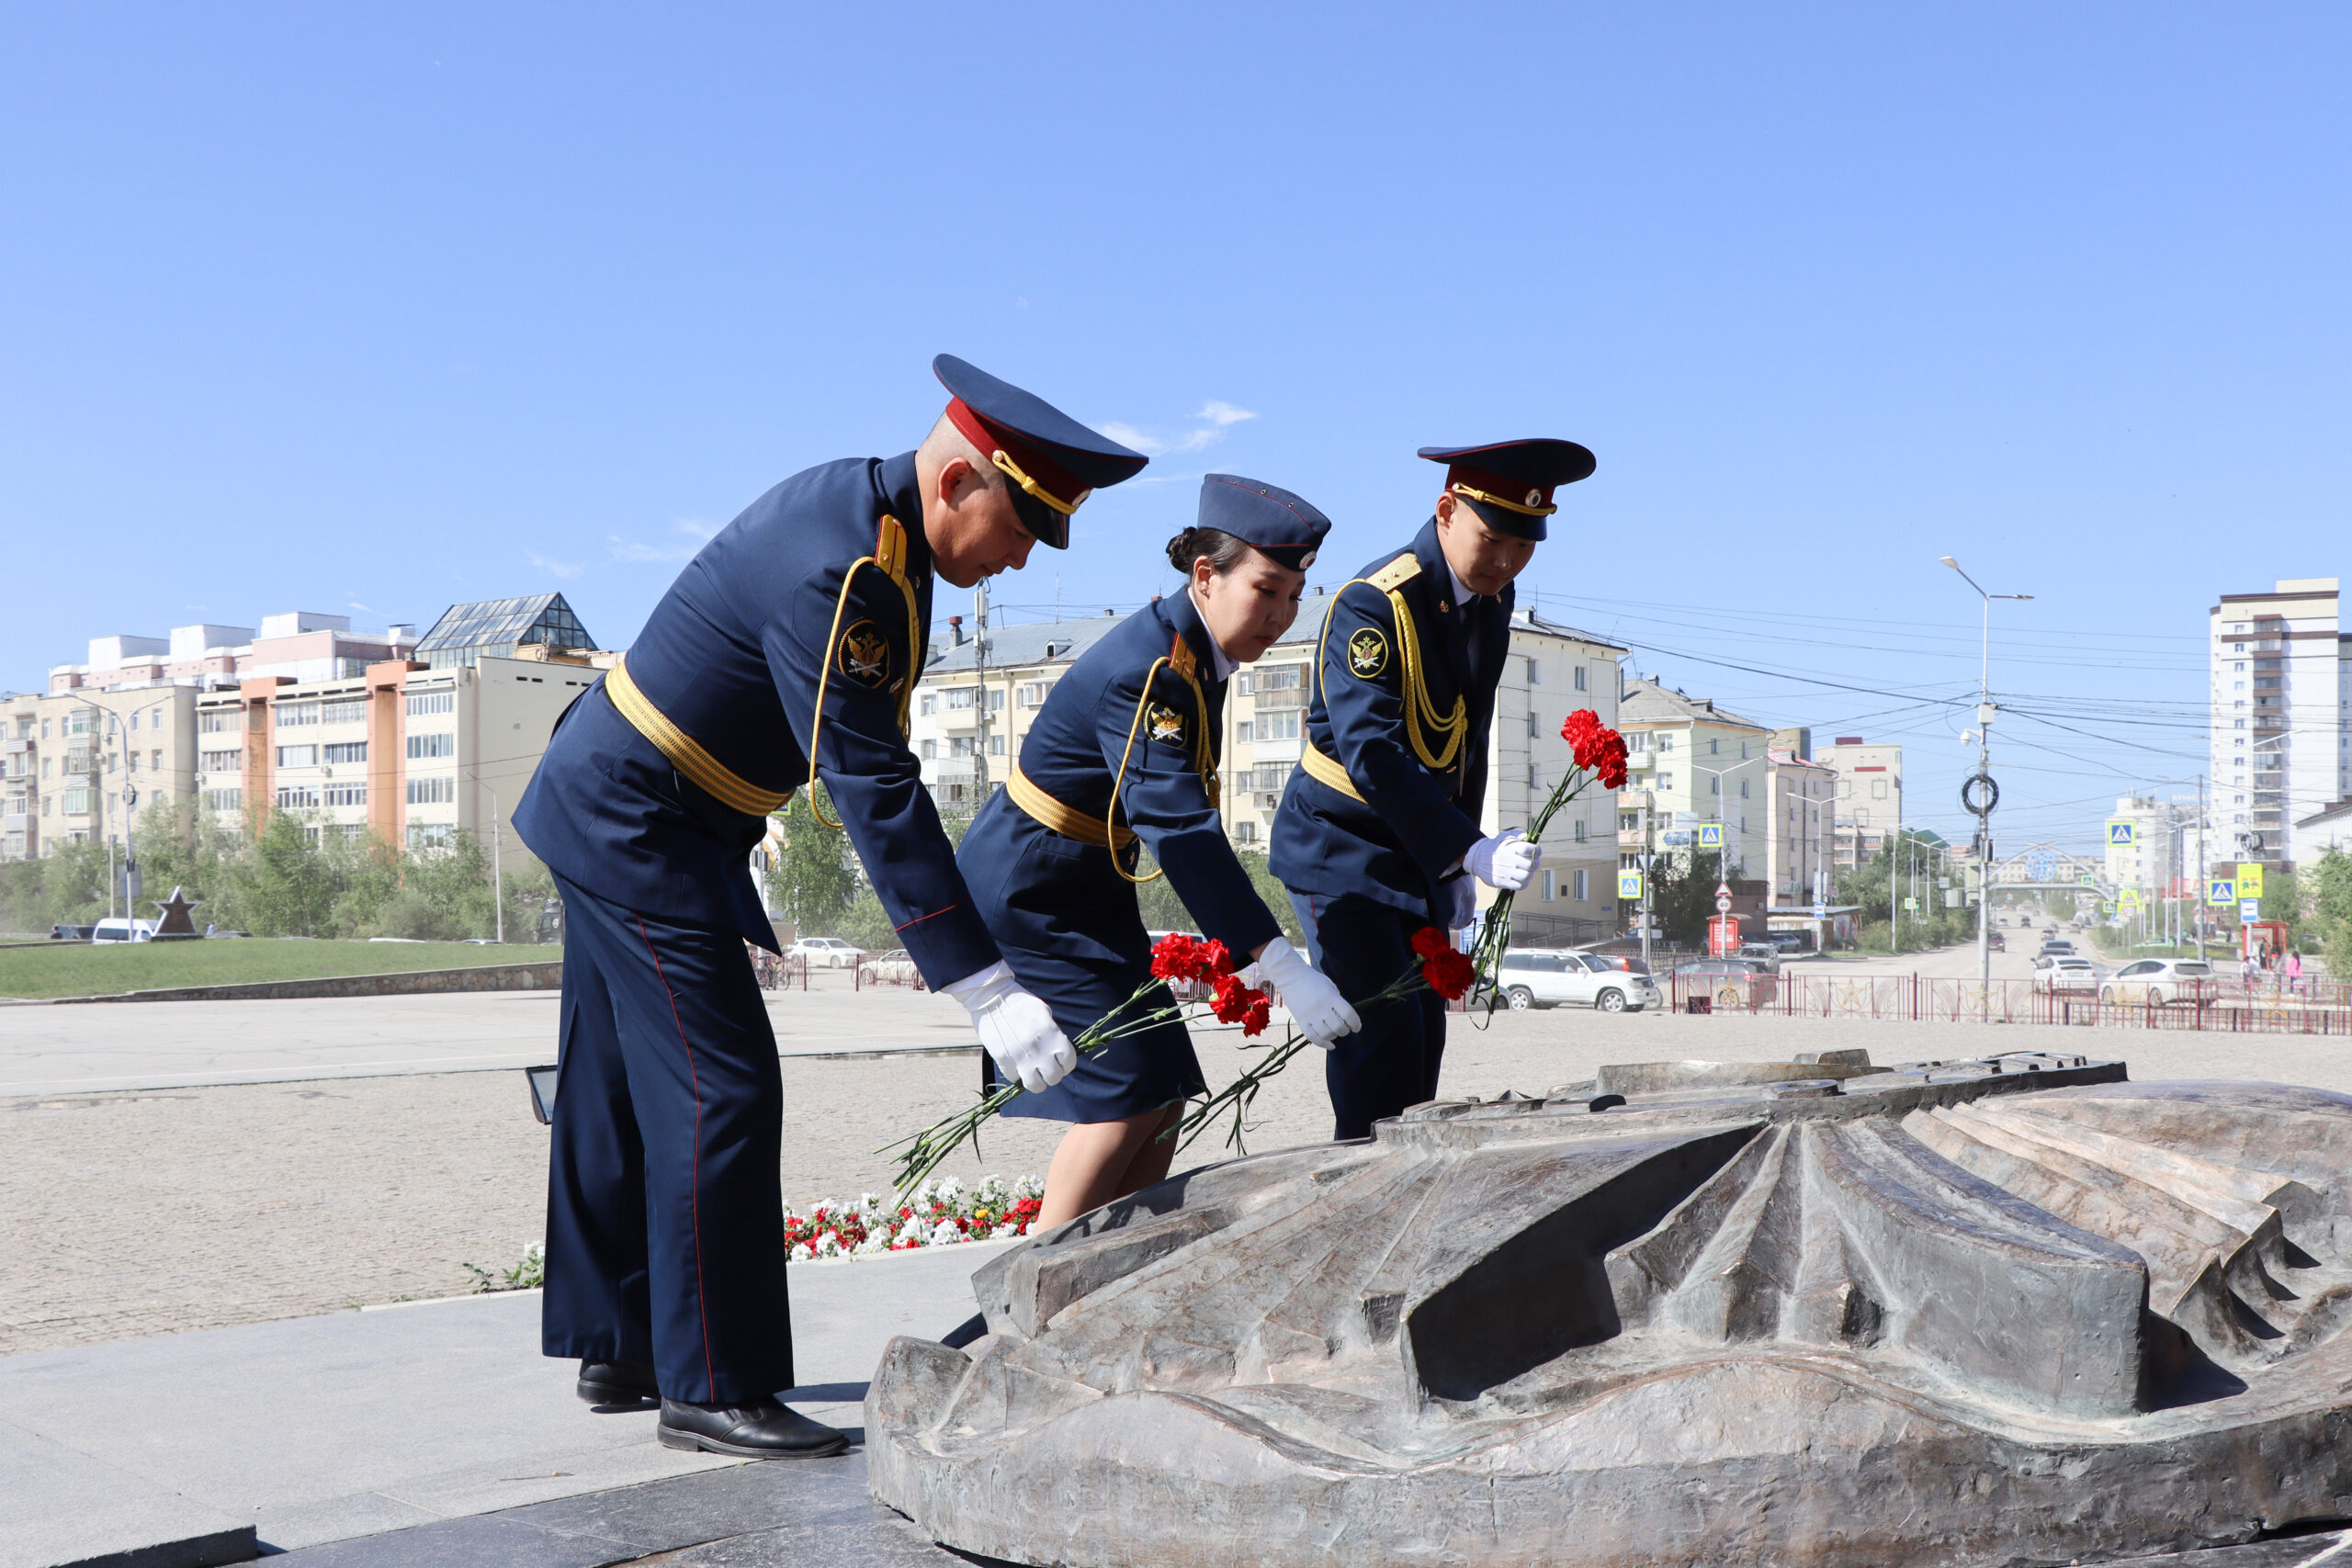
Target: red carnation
1215, 960
1259, 1014
1448, 974
1173, 957
1429, 941
1582, 727
1596, 747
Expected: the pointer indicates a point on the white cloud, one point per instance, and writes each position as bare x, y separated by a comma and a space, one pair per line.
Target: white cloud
698, 533
565, 569
1216, 417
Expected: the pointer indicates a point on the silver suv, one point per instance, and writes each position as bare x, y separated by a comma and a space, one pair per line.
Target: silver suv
1534, 977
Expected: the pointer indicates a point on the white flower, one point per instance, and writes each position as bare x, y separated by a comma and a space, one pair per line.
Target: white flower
876, 1241
829, 1245
803, 1253
869, 1200
945, 1234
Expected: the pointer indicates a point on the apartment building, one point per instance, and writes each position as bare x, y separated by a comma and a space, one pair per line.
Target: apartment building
1870, 797
415, 754
2157, 848
80, 765
1694, 762
2281, 700
1799, 846
301, 645
973, 707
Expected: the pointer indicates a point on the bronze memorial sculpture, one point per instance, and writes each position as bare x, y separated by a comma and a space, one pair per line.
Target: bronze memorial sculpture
2017, 1309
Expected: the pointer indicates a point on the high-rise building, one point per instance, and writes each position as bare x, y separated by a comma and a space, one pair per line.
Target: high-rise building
1870, 795
2280, 690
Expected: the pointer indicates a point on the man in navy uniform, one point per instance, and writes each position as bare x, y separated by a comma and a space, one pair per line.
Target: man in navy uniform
785, 652
1378, 833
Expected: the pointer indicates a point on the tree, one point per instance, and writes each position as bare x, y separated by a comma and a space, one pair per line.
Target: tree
1682, 894
811, 877
2331, 910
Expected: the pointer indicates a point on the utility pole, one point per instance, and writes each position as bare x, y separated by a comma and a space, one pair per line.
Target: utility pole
497, 868
1649, 868
1984, 771
980, 693
2203, 873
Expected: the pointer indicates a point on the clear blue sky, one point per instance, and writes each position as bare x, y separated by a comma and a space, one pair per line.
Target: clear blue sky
372, 309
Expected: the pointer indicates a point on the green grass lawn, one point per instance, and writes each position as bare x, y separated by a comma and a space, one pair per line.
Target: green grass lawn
79, 969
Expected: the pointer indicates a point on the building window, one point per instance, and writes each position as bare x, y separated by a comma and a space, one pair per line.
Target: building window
431, 791
344, 710
1743, 789
1278, 726
959, 744
222, 761
432, 835
298, 756
1716, 787
297, 798
1579, 677
80, 802
1033, 693
1665, 742
1535, 676
928, 705
996, 745
225, 799
1246, 730
1583, 886
444, 744
930, 750
219, 721
1714, 745
1878, 789
1665, 781
996, 699
1281, 678
1547, 888
1580, 831
296, 716
343, 752
420, 704
134, 718
346, 794
1245, 832
959, 699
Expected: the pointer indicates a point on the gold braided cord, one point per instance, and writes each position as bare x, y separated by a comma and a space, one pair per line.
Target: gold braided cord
1012, 471
889, 558
1524, 510
684, 753
1420, 709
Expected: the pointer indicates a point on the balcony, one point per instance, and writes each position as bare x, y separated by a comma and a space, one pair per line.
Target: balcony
1270, 702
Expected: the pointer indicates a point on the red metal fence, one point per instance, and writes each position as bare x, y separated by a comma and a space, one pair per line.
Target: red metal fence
2223, 1005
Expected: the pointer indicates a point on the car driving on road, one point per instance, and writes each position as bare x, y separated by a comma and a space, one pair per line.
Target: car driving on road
2158, 982
1534, 978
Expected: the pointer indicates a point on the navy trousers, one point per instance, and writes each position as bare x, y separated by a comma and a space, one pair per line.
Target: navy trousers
1392, 1062
665, 1210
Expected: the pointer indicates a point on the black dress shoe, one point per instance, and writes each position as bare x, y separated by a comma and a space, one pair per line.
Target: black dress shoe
618, 1382
762, 1429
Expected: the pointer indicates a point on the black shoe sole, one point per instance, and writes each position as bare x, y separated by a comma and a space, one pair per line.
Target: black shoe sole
670, 1438
614, 1394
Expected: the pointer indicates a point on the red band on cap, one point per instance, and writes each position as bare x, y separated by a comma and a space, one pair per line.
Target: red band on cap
991, 437
1517, 491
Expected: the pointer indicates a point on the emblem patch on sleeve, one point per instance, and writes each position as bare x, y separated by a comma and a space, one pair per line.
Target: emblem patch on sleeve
1165, 724
1367, 653
864, 655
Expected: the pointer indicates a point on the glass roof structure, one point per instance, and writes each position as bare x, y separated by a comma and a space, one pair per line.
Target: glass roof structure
496, 627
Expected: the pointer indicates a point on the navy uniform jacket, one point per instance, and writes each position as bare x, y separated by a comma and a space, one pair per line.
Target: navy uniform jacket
1078, 741
732, 655
1415, 820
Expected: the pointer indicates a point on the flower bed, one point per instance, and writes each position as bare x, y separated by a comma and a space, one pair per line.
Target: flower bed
937, 1214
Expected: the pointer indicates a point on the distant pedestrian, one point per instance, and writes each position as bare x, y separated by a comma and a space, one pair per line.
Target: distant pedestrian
2295, 971
2245, 970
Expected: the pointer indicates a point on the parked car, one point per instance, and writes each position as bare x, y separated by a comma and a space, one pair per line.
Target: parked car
116, 928
825, 952
1762, 952
1543, 978
2158, 982
894, 967
2064, 972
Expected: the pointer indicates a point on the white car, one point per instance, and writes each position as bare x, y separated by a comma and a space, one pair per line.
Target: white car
2062, 972
1537, 978
825, 952
115, 928
2155, 982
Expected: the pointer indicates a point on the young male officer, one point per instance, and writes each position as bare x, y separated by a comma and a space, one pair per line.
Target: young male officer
787, 652
1378, 832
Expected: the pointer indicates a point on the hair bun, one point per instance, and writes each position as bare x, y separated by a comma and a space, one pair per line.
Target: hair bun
1182, 549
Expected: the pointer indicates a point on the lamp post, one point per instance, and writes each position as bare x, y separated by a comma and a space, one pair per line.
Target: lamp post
1984, 770
497, 871
1723, 856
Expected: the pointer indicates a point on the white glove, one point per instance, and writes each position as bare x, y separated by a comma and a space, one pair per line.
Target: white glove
1015, 1028
1505, 861
1322, 1014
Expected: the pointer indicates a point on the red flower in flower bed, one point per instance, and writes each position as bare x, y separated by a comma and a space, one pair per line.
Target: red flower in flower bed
1597, 746
1448, 974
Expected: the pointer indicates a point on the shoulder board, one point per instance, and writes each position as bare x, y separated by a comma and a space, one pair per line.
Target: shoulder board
890, 545
1397, 573
1180, 658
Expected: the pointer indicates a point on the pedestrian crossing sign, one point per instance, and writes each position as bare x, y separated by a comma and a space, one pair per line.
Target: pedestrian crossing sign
2129, 898
1711, 835
2249, 879
2118, 834
2220, 892
1629, 884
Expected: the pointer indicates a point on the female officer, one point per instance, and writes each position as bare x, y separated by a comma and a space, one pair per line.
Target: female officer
1125, 747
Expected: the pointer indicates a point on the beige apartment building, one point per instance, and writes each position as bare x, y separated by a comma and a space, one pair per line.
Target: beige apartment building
969, 720
78, 766
2281, 715
1870, 795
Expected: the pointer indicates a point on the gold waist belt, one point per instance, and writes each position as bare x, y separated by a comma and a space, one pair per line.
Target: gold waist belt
1327, 771
1062, 820
722, 782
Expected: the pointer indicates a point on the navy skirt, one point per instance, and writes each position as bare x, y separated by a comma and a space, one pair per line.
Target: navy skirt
1069, 926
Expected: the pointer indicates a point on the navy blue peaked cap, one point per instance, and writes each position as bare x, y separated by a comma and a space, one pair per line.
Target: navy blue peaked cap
1509, 483
1266, 518
1053, 462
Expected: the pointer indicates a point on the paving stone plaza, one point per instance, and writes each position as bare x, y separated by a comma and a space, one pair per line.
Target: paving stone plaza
388, 1144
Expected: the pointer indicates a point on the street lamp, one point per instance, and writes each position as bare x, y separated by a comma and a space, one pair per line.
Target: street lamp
497, 871
1723, 856
1984, 769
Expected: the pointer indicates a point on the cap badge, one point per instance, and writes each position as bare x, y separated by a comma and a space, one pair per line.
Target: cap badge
1534, 497
864, 654
1307, 559
1367, 653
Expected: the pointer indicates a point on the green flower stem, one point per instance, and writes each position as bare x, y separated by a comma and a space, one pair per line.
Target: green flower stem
1494, 935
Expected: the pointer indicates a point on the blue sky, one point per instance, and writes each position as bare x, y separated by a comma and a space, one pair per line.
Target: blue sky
371, 311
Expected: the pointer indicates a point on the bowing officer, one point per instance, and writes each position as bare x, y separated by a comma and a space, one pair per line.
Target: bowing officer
1378, 833
1126, 749
785, 652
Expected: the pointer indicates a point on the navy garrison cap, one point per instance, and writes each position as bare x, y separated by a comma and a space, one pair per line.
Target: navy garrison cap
1053, 462
1509, 483
1267, 518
